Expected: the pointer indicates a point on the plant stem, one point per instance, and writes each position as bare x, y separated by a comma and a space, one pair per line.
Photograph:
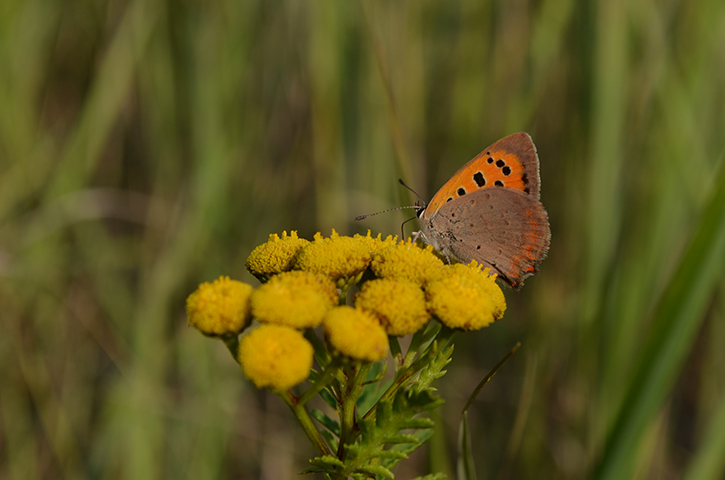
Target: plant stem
395, 350
351, 392
232, 343
413, 348
327, 376
321, 355
306, 423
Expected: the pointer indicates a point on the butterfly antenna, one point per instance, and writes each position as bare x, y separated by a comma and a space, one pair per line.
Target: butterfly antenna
363, 217
417, 207
422, 200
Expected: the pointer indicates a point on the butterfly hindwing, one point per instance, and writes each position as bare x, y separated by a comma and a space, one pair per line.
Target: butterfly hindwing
503, 228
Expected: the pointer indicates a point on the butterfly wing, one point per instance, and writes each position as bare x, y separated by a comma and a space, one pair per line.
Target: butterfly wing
504, 228
510, 163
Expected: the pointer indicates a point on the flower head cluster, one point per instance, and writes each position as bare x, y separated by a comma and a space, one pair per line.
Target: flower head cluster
219, 308
465, 297
342, 259
376, 243
399, 305
407, 261
355, 334
275, 356
305, 285
296, 299
275, 256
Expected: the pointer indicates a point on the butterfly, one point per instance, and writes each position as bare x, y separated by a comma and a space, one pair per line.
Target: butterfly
489, 211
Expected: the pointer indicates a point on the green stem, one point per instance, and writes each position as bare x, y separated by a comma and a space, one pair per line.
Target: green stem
328, 375
395, 350
351, 392
445, 336
232, 343
413, 348
321, 355
342, 298
306, 423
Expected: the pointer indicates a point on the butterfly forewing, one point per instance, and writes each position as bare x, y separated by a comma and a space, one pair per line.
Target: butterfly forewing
509, 163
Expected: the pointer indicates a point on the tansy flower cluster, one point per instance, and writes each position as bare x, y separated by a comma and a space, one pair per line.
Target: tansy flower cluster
398, 288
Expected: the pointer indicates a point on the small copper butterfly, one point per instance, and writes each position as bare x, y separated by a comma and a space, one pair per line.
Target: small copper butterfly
489, 211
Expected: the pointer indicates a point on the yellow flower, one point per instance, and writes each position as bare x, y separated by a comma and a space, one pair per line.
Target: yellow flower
296, 299
219, 308
275, 256
355, 334
275, 357
465, 298
376, 243
399, 305
406, 261
342, 259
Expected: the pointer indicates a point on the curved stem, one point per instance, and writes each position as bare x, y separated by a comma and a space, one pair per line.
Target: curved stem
306, 423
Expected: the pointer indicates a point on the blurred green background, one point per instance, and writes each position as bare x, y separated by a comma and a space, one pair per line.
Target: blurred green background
147, 146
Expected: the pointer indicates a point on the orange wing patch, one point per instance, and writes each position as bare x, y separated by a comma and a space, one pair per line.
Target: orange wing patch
488, 169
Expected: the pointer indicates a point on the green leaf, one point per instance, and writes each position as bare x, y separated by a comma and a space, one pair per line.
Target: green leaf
331, 439
401, 438
329, 399
432, 476
329, 423
372, 391
408, 448
393, 416
709, 461
420, 422
676, 322
376, 470
433, 370
327, 461
392, 454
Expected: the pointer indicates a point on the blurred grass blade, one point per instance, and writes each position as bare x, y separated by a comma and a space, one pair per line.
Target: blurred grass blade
488, 377
676, 322
709, 461
466, 469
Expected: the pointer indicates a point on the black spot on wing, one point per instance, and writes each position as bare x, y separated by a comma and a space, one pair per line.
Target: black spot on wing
479, 179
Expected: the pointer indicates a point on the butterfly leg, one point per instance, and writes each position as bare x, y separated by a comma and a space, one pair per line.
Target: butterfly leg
420, 234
